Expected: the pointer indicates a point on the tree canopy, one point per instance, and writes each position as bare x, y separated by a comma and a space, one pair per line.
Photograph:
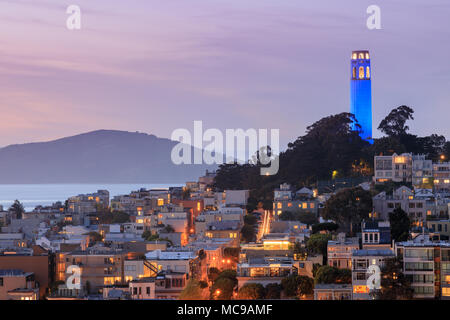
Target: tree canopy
394, 284
348, 206
400, 225
327, 274
17, 209
251, 291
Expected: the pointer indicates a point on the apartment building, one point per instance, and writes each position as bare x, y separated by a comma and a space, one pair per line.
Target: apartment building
441, 176
99, 267
333, 291
265, 270
420, 204
427, 264
88, 203
339, 251
222, 214
440, 226
143, 288
361, 260
16, 284
376, 234
32, 260
302, 201
187, 262
397, 168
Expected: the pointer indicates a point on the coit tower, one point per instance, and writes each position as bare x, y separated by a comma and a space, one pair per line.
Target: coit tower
361, 93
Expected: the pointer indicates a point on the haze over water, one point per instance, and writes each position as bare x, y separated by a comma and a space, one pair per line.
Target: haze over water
32, 195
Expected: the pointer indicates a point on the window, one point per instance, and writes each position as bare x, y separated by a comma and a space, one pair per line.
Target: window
148, 290
1, 282
446, 292
354, 73
368, 72
361, 72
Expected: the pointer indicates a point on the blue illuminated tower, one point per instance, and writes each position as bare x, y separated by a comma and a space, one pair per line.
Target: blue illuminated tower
361, 92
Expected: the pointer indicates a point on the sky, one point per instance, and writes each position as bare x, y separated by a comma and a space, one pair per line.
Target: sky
156, 66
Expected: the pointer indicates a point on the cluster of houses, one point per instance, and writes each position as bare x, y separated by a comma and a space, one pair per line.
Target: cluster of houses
173, 235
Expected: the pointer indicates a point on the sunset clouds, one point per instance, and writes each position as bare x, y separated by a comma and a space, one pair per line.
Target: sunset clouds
153, 66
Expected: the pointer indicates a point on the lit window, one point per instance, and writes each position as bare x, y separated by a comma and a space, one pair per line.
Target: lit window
305, 205
446, 292
361, 55
360, 289
368, 72
354, 73
354, 56
280, 205
361, 72
160, 202
367, 55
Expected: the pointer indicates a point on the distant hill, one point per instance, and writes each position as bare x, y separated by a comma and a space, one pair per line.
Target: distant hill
103, 156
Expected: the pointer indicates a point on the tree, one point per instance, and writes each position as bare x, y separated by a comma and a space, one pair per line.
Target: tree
400, 225
17, 209
317, 243
106, 217
224, 284
95, 236
213, 273
248, 233
290, 285
251, 291
295, 285
348, 206
195, 290
168, 229
305, 286
252, 204
326, 226
394, 123
329, 144
273, 291
328, 274
304, 217
394, 284
250, 219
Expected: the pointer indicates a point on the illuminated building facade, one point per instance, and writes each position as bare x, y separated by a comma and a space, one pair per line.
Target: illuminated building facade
361, 92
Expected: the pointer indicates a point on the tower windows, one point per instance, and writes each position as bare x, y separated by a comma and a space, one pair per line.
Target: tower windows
354, 56
361, 55
361, 72
367, 55
368, 72
354, 73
